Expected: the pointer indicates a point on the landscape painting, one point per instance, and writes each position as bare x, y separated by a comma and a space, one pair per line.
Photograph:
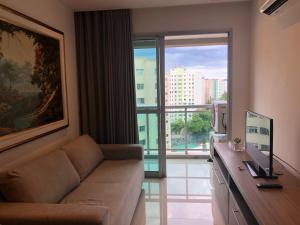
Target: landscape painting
32, 92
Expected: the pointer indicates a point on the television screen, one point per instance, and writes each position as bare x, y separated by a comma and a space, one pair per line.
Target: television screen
259, 137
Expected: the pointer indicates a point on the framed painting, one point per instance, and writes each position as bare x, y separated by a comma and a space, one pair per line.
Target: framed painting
33, 95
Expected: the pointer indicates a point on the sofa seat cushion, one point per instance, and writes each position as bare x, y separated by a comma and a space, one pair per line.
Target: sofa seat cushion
85, 154
117, 171
113, 184
46, 179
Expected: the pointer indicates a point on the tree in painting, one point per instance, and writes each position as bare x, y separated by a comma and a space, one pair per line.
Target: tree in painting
30, 79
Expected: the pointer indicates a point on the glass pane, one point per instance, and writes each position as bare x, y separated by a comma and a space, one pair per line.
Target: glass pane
195, 76
148, 137
175, 132
198, 130
189, 130
145, 65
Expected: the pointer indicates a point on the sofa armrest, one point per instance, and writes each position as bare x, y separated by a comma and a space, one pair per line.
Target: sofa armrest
122, 151
52, 214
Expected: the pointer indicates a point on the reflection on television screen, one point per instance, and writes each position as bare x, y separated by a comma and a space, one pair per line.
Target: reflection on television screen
259, 137
258, 133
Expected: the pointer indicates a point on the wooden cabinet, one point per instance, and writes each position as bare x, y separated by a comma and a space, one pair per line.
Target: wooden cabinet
241, 203
230, 201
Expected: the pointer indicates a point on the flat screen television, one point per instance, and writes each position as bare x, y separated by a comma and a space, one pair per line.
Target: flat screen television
259, 144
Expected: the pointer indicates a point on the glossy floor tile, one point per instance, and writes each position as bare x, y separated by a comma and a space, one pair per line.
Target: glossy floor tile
185, 197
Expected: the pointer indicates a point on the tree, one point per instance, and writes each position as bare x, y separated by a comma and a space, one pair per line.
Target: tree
9, 72
177, 126
200, 123
12, 103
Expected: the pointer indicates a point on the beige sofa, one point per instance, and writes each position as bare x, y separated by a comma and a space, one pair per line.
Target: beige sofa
82, 183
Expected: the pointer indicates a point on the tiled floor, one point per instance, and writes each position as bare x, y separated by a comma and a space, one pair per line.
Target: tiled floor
185, 197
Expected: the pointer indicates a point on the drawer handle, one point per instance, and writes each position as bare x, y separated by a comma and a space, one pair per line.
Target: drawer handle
219, 181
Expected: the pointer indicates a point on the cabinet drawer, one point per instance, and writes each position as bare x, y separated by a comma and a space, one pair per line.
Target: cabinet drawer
221, 193
235, 215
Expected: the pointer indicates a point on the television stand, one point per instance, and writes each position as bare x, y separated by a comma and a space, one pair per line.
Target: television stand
240, 201
256, 173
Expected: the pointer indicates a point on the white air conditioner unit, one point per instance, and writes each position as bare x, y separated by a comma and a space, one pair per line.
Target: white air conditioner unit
273, 7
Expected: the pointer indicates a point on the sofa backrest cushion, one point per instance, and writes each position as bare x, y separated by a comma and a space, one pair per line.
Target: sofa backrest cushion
46, 179
85, 154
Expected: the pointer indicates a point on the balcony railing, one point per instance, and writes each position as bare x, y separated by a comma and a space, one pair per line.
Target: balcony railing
187, 130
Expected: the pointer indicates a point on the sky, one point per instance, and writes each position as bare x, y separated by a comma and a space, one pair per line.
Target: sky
208, 61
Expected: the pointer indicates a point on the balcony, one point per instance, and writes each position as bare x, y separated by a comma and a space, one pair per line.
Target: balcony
187, 131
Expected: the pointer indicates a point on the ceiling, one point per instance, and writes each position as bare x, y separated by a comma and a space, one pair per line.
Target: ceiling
86, 5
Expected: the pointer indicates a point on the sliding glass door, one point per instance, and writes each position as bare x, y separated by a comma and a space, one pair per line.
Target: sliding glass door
148, 101
177, 78
196, 75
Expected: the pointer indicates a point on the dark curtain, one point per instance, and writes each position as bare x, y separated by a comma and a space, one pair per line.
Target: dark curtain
106, 76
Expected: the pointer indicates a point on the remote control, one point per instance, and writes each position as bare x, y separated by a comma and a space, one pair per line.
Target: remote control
267, 186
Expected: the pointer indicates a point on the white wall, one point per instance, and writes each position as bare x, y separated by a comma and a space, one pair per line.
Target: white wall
205, 18
55, 14
275, 77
